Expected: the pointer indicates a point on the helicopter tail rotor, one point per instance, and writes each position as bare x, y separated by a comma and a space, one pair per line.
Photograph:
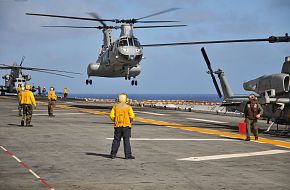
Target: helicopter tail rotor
211, 72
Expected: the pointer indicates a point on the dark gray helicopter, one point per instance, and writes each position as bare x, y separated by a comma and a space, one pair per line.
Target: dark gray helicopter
273, 92
17, 77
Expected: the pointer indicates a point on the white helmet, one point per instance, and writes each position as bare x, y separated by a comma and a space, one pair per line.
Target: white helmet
122, 98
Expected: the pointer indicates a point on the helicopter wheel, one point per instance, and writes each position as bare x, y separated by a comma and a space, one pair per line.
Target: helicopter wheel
132, 82
136, 83
87, 82
91, 82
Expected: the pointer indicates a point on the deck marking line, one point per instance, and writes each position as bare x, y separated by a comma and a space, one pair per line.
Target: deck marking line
160, 139
151, 113
41, 114
188, 128
206, 120
239, 155
27, 167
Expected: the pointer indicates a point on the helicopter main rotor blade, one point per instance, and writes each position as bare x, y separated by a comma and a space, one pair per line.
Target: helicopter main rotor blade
271, 39
164, 26
211, 72
96, 16
158, 13
53, 73
96, 27
22, 61
129, 21
69, 17
54, 70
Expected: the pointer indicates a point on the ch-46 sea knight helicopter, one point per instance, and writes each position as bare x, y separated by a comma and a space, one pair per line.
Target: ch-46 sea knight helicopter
16, 77
121, 58
273, 92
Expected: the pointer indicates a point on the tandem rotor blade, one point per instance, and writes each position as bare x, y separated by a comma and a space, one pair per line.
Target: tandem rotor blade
162, 26
54, 73
88, 27
96, 16
158, 13
53, 70
271, 39
211, 72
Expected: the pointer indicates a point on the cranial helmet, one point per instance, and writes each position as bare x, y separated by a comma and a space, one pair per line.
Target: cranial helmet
122, 98
252, 97
27, 87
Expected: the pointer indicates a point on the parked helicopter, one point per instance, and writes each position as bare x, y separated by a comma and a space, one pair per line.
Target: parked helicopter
273, 92
121, 58
17, 77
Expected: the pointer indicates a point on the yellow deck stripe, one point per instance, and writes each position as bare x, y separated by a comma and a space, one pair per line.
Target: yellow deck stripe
189, 128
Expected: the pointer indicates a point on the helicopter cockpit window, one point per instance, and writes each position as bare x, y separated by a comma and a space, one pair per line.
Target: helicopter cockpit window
123, 42
136, 42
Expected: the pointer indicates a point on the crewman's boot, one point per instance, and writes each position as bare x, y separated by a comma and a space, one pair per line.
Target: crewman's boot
113, 156
248, 139
22, 122
256, 138
130, 157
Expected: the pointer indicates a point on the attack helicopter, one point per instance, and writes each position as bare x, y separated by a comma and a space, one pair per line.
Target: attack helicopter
273, 92
121, 58
18, 78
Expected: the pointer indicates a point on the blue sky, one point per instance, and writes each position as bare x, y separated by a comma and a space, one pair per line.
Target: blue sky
165, 69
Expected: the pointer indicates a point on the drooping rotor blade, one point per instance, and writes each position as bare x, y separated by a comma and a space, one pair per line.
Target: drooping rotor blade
271, 39
88, 27
96, 16
22, 61
53, 73
53, 70
211, 72
158, 13
181, 25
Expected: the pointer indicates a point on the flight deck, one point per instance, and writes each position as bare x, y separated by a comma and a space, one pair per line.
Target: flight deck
173, 150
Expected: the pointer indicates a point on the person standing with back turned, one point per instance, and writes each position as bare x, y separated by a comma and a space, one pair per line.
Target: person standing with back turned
122, 115
27, 100
253, 112
51, 96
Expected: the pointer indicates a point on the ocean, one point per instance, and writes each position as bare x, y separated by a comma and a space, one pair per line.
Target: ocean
140, 97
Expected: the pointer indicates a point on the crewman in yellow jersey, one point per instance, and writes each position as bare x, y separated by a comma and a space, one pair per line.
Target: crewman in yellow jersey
65, 93
122, 115
51, 101
27, 100
19, 90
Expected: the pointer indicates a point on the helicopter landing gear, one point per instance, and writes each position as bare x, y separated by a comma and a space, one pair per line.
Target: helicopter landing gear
134, 82
89, 82
127, 77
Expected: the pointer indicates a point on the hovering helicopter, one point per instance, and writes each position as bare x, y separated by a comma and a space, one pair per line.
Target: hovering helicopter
273, 92
121, 58
18, 78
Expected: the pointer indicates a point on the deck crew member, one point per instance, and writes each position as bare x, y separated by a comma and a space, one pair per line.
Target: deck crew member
51, 101
65, 92
27, 100
253, 112
122, 115
19, 90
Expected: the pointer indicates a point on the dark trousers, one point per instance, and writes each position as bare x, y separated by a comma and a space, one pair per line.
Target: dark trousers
51, 105
120, 132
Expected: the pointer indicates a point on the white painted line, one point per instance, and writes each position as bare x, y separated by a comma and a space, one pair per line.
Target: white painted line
159, 139
34, 174
206, 120
151, 113
16, 158
3, 148
36, 110
240, 155
40, 114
